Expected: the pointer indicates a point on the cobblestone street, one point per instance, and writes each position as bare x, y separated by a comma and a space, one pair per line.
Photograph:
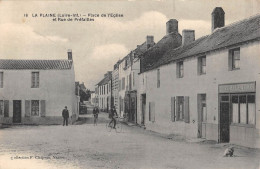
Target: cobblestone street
88, 146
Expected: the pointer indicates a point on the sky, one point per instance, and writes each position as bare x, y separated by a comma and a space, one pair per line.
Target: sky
97, 45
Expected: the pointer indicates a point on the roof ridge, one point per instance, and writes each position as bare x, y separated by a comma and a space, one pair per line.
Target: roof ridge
237, 22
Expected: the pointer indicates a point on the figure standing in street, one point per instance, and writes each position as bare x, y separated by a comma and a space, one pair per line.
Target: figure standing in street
65, 115
113, 115
95, 114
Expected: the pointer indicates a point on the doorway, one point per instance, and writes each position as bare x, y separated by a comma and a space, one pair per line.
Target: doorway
202, 115
224, 119
17, 111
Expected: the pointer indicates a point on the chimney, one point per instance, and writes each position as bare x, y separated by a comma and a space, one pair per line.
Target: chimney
171, 26
188, 36
149, 41
69, 54
218, 18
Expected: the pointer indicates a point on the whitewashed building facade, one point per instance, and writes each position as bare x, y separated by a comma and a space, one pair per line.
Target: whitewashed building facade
36, 91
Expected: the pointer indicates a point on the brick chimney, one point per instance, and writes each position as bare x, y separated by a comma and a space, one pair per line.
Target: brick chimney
172, 26
218, 18
69, 54
149, 41
188, 36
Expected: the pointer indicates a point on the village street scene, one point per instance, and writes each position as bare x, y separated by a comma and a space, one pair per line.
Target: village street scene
135, 85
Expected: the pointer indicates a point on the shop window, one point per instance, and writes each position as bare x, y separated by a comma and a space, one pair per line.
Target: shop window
202, 65
180, 70
4, 108
234, 59
243, 109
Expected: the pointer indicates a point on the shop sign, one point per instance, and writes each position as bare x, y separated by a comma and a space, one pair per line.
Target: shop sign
237, 88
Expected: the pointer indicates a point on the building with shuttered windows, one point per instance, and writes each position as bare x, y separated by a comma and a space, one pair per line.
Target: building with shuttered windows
205, 88
36, 91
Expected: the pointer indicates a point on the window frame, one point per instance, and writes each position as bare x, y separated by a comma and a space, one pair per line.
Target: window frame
33, 107
35, 80
232, 59
158, 78
201, 65
180, 72
239, 113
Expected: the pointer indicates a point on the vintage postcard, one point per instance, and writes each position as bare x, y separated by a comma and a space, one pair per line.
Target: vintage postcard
137, 84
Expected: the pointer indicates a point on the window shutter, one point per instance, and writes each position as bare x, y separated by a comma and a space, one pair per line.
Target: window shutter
43, 108
230, 60
6, 108
153, 111
176, 109
37, 79
27, 108
199, 66
186, 110
173, 109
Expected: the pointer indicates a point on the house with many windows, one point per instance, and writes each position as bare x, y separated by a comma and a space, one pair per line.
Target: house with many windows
36, 91
105, 92
205, 88
128, 70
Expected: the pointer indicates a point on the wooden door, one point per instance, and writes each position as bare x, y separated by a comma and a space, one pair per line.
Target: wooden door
17, 111
224, 119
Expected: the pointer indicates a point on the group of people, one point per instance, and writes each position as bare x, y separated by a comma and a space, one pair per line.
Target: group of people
112, 115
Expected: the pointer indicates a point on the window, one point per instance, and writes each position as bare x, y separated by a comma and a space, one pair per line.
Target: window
1, 79
35, 107
158, 78
180, 70
35, 79
202, 65
182, 104
4, 108
243, 108
234, 59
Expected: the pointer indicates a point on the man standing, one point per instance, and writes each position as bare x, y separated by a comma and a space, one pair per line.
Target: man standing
65, 115
113, 115
95, 114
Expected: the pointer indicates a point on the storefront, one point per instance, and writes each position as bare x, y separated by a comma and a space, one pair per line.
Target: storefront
237, 112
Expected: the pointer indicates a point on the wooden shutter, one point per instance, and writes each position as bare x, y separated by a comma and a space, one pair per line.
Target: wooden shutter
173, 109
152, 111
6, 108
43, 108
177, 109
230, 60
27, 108
186, 110
199, 65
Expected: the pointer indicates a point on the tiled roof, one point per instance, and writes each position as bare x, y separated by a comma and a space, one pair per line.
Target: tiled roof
105, 80
239, 32
153, 54
35, 64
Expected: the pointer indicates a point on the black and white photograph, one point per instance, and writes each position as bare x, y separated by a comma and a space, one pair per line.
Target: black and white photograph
130, 84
